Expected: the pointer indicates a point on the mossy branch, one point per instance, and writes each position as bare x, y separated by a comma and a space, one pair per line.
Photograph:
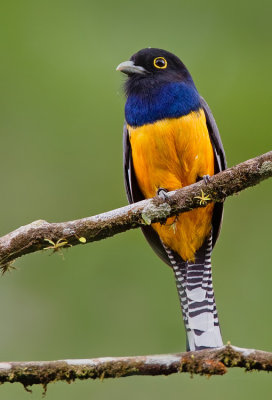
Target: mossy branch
204, 362
44, 235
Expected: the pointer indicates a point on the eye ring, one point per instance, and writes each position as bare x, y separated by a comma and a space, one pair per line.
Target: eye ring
160, 63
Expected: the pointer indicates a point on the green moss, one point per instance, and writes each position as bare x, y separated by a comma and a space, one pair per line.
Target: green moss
152, 211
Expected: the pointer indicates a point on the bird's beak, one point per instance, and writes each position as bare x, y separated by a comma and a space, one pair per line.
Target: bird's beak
128, 67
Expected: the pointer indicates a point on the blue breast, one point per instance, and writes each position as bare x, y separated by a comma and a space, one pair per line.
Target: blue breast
172, 100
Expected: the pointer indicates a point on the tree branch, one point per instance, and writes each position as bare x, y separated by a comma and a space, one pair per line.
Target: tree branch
204, 362
43, 235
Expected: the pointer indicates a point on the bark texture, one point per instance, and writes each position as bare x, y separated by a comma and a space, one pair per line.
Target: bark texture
44, 235
204, 362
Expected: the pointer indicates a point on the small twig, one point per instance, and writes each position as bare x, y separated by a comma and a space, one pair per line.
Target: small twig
37, 235
204, 362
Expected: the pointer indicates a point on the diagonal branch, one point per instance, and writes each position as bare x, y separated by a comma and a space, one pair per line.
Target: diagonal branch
204, 362
41, 234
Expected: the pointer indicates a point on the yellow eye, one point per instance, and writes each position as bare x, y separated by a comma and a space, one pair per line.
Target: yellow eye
160, 62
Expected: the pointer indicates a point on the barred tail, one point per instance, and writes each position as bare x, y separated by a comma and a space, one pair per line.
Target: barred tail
195, 289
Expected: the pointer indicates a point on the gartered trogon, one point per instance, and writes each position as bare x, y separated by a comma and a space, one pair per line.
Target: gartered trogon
170, 141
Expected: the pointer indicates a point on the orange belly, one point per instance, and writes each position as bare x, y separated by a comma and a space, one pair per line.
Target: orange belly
170, 154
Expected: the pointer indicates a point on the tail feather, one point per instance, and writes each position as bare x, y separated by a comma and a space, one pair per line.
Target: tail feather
195, 289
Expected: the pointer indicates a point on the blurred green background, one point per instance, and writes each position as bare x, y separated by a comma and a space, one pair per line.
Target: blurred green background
61, 118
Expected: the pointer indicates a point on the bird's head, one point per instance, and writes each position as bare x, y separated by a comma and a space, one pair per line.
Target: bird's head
159, 86
150, 68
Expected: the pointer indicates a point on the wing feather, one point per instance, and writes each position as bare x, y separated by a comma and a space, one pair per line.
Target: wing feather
220, 165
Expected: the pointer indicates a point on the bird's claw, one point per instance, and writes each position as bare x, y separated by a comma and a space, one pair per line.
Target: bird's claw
206, 179
162, 193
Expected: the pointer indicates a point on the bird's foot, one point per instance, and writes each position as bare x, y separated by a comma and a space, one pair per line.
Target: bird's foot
162, 193
205, 178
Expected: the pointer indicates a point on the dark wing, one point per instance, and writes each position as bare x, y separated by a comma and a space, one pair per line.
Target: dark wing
134, 193
220, 158
220, 165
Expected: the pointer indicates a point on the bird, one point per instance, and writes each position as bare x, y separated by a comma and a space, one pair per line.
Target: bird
171, 140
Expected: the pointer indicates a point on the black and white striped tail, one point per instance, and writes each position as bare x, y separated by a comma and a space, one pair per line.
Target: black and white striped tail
195, 289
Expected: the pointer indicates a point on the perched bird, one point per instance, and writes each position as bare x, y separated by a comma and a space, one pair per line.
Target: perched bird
170, 141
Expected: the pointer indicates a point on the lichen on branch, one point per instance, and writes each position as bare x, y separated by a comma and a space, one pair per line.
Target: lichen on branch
40, 234
205, 362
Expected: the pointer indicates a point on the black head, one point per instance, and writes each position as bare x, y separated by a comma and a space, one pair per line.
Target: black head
151, 67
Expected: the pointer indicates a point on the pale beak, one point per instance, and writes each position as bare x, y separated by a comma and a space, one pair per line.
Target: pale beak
128, 67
